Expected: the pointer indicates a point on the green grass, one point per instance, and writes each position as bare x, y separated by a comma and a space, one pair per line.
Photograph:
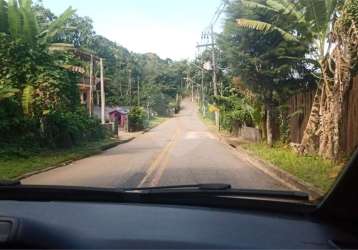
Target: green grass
157, 121
314, 170
14, 166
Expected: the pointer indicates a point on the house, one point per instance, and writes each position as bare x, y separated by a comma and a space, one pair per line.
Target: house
117, 116
91, 85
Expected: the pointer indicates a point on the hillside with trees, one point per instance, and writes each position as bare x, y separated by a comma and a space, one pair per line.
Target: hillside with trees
39, 96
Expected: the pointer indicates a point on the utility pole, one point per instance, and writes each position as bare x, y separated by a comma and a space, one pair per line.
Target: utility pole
138, 88
130, 85
217, 118
213, 60
192, 92
205, 34
202, 86
90, 104
103, 96
201, 93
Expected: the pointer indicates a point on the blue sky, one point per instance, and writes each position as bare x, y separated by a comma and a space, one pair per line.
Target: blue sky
170, 28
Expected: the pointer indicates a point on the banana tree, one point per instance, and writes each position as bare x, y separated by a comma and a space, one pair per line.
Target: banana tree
7, 92
18, 20
320, 18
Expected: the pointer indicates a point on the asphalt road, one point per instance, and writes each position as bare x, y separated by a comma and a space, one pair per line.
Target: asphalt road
180, 151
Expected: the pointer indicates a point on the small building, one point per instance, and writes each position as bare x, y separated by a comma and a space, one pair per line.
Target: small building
120, 117
117, 116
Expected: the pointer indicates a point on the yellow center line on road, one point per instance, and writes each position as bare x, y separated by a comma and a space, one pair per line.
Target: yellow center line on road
156, 169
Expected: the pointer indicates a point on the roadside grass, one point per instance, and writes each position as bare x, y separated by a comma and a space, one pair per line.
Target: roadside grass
156, 121
12, 166
312, 169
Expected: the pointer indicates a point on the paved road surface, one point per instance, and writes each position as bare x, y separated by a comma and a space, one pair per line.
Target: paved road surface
179, 151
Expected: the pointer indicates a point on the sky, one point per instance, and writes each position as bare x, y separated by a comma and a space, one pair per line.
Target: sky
169, 28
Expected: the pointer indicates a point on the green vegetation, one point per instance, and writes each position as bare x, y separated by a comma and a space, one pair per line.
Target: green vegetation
39, 96
268, 51
40, 107
154, 122
39, 102
15, 164
271, 50
137, 119
312, 169
236, 111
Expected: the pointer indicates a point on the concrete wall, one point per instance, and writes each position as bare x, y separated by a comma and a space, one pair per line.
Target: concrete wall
250, 134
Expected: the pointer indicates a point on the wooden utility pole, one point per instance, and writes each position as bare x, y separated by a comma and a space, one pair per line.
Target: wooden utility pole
202, 87
103, 96
130, 85
138, 92
192, 92
90, 104
213, 61
214, 20
217, 118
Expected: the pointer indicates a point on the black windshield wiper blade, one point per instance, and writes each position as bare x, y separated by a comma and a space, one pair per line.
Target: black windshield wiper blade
210, 186
9, 183
172, 192
222, 190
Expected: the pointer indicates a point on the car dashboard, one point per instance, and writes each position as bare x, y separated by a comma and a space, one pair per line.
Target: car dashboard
78, 225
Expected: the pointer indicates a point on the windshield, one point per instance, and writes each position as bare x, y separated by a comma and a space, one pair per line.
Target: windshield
255, 94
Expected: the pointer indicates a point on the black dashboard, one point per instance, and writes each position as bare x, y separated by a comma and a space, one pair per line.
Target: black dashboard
132, 226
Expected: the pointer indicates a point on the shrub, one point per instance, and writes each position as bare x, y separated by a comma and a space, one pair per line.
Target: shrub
137, 119
66, 129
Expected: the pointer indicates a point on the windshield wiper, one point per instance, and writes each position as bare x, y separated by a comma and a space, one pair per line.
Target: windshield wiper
9, 183
179, 191
220, 190
178, 187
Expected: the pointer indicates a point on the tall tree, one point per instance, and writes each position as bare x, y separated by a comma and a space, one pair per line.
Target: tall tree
264, 60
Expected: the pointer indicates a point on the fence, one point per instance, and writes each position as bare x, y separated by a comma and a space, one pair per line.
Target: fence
300, 108
250, 134
350, 119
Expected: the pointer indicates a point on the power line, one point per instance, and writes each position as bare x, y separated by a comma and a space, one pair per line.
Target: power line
218, 12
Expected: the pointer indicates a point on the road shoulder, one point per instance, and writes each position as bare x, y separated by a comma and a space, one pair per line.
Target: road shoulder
283, 177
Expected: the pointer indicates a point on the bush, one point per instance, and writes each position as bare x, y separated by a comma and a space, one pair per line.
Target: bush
137, 119
16, 129
72, 128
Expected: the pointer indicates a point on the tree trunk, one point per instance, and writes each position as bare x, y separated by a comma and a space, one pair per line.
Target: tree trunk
263, 126
310, 140
269, 129
326, 120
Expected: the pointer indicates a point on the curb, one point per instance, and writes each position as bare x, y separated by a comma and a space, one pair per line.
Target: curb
68, 162
284, 177
273, 171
